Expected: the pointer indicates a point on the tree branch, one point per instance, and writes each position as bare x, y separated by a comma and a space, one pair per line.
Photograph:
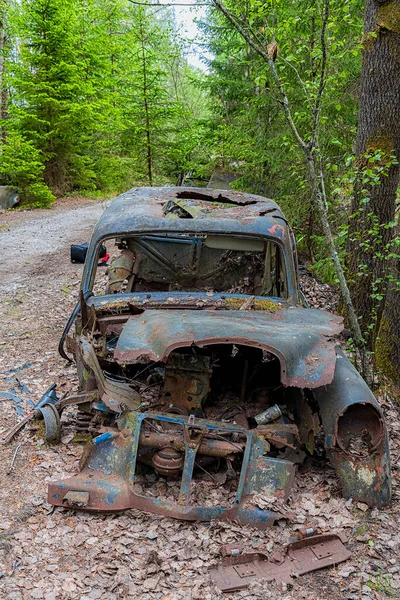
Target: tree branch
168, 4
264, 55
322, 77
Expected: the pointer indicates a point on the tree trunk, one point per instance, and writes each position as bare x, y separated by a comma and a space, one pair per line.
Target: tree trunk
387, 345
378, 130
3, 83
146, 110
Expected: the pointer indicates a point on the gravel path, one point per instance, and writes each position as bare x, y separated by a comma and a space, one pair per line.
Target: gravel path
23, 245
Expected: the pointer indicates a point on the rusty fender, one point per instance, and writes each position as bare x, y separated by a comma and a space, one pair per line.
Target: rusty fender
356, 438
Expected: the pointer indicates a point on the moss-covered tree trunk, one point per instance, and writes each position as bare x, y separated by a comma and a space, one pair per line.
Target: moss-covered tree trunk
387, 345
379, 135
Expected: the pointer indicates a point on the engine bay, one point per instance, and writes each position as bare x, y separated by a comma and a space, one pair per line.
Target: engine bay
225, 385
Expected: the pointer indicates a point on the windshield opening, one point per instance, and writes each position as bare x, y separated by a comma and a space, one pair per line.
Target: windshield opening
185, 263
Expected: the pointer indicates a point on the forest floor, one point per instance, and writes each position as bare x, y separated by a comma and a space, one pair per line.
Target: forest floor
62, 555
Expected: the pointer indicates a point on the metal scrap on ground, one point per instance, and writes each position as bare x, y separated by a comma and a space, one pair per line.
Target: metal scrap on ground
299, 558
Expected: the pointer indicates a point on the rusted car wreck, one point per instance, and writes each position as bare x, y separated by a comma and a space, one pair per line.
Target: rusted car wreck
199, 360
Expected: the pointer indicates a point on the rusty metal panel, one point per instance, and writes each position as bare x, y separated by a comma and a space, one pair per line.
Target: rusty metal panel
271, 476
112, 392
76, 499
186, 382
304, 556
301, 338
351, 417
142, 210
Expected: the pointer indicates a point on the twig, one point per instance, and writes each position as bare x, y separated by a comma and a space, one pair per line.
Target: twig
206, 472
289, 64
10, 434
11, 467
247, 304
322, 76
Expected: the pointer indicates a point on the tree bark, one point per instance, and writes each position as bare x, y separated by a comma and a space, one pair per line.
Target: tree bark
3, 82
378, 130
387, 344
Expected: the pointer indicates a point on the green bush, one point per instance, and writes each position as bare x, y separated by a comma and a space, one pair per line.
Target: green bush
21, 165
37, 195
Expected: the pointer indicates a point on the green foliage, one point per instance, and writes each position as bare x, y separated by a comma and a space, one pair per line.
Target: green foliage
21, 165
252, 133
371, 238
102, 91
323, 267
382, 583
50, 105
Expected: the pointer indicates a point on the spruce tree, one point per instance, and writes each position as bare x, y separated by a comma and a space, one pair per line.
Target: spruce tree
102, 97
50, 105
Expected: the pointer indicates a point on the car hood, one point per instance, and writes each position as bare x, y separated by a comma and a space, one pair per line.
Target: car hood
302, 338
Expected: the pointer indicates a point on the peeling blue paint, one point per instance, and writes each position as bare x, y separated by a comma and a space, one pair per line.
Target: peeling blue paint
102, 438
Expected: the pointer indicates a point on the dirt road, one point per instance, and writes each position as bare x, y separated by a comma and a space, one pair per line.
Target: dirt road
29, 243
61, 555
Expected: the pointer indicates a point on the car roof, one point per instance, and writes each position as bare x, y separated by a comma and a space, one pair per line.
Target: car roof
199, 210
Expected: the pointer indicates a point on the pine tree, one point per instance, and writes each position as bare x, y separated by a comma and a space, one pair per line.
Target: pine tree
50, 105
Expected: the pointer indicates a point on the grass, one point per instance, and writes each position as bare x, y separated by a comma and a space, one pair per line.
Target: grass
383, 584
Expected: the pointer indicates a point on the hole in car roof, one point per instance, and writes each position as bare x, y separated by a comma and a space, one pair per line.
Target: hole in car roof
262, 213
190, 195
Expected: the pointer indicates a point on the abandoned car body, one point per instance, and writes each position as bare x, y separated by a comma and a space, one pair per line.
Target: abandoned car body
200, 365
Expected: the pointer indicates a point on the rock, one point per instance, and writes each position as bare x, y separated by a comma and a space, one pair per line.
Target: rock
9, 197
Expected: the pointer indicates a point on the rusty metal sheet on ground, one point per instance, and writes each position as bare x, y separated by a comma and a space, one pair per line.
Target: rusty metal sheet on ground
304, 556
